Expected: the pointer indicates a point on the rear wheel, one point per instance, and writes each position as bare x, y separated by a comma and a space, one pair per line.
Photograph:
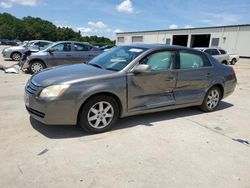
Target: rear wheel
99, 114
16, 56
211, 100
233, 61
36, 66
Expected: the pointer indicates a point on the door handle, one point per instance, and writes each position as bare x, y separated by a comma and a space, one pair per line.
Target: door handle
68, 55
209, 75
170, 78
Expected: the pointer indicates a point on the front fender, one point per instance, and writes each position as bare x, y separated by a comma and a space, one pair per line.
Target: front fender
116, 87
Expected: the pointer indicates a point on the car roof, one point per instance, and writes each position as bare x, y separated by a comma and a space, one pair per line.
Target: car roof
73, 42
205, 48
156, 46
38, 41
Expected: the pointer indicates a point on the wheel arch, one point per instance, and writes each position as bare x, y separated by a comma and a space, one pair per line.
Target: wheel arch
14, 53
221, 87
117, 99
37, 59
225, 62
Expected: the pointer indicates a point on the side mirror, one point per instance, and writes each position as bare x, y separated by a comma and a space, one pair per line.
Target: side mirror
50, 50
141, 68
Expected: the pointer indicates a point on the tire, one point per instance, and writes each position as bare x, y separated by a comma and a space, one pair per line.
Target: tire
224, 62
16, 56
36, 66
98, 114
233, 62
211, 100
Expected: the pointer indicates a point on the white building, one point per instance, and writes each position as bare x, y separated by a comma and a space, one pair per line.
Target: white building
233, 38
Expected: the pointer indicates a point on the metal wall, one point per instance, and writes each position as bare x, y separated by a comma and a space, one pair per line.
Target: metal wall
234, 39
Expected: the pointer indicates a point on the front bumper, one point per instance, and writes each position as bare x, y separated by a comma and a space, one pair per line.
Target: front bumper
24, 64
50, 112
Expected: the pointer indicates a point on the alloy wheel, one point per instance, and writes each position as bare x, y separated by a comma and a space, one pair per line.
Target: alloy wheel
36, 67
213, 99
100, 115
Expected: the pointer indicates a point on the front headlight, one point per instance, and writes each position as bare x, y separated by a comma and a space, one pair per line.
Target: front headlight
53, 91
7, 50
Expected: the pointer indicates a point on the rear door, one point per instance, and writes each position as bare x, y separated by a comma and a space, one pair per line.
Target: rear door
61, 54
153, 89
194, 77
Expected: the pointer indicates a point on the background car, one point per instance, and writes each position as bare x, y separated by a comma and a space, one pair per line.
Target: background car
15, 53
218, 53
60, 53
233, 58
125, 81
10, 42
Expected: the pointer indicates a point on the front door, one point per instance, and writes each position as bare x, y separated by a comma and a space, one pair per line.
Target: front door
60, 55
153, 89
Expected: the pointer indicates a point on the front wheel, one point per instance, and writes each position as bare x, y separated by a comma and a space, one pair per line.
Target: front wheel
36, 66
99, 114
211, 100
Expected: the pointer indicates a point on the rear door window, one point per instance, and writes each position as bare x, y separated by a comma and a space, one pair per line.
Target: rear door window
190, 60
81, 47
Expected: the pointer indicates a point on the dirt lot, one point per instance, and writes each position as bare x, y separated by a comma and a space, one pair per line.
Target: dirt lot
180, 148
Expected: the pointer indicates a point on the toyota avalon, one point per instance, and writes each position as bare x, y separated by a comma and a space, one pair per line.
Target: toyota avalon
125, 81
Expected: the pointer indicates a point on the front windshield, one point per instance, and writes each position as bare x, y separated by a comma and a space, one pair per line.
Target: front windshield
28, 44
117, 58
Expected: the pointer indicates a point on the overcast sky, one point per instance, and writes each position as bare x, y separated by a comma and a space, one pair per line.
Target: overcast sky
105, 17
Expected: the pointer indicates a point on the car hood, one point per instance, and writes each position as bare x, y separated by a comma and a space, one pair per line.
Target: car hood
36, 53
68, 74
16, 48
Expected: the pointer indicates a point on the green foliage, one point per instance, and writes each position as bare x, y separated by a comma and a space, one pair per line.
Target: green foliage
30, 28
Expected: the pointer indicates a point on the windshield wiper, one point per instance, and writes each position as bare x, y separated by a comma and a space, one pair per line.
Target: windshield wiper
112, 69
95, 65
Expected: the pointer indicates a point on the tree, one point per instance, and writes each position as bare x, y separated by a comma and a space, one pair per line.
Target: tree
30, 28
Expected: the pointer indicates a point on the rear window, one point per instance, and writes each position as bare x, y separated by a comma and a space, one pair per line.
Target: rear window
222, 51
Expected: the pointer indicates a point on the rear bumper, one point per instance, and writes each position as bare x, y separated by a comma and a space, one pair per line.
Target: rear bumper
229, 87
6, 54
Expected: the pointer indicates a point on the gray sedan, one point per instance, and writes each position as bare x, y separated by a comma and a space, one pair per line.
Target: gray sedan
125, 81
60, 53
